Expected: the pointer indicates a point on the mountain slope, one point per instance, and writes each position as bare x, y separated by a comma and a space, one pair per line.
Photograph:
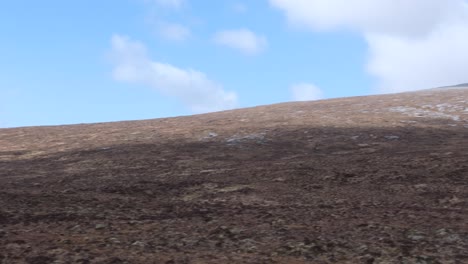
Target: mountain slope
363, 179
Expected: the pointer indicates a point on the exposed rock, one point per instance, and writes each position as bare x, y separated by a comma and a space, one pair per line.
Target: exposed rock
138, 244
100, 226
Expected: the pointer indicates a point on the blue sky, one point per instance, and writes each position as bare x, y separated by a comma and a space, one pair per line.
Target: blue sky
65, 62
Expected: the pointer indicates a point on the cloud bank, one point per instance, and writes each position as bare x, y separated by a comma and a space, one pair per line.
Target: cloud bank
243, 40
305, 92
413, 44
193, 88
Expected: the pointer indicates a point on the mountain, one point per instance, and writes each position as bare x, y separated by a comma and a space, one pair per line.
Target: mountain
458, 86
375, 179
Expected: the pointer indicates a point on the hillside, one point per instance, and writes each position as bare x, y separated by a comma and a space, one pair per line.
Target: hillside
377, 179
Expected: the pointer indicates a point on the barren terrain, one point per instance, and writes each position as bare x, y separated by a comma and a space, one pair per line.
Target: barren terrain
377, 179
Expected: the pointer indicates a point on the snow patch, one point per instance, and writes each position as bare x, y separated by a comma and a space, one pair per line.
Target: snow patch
258, 137
417, 112
210, 135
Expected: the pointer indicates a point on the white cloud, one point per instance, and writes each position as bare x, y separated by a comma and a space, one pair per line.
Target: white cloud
175, 4
413, 44
305, 92
401, 17
239, 7
193, 88
404, 64
243, 40
175, 32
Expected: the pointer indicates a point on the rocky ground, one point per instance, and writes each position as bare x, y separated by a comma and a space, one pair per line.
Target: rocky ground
380, 179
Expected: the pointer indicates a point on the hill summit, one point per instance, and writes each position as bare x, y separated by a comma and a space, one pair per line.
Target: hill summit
375, 179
